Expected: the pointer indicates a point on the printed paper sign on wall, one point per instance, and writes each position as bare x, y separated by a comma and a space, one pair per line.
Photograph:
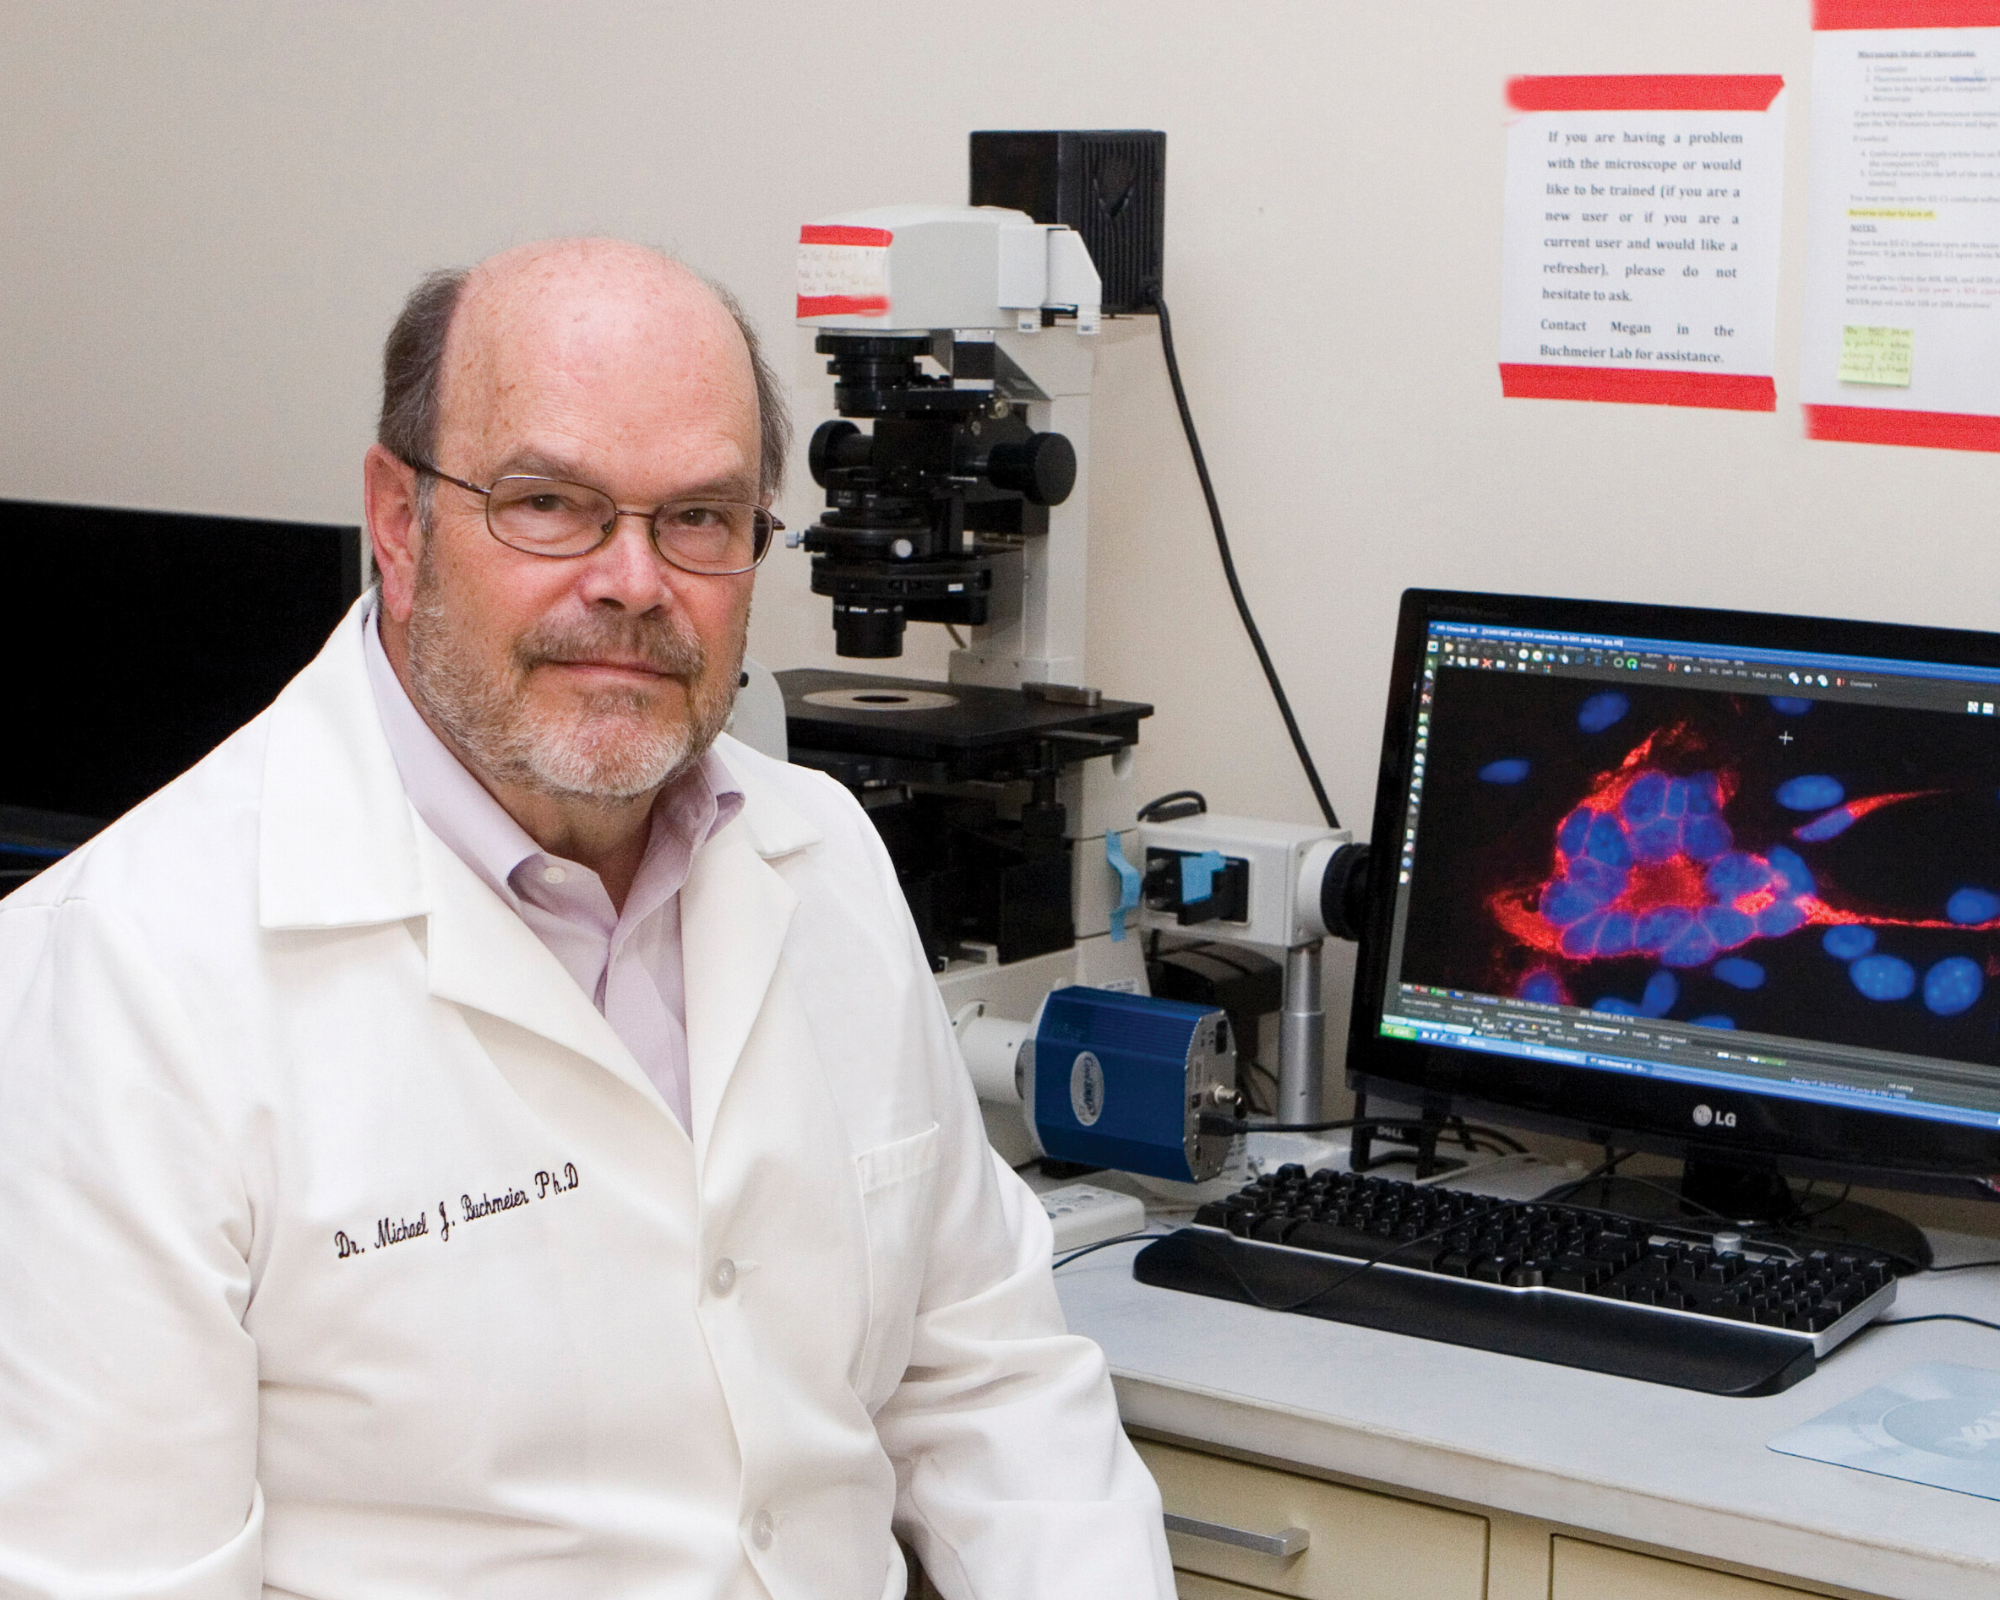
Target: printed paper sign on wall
1641, 245
1901, 343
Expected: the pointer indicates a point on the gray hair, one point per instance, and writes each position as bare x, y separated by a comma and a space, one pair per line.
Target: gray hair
413, 361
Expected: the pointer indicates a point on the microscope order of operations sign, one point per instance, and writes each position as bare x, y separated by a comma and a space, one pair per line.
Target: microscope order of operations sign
1641, 246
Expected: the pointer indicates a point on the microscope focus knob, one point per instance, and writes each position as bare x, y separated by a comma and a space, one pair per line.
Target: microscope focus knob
1042, 467
837, 444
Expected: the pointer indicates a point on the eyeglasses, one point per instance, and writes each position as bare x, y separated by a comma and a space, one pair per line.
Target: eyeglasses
549, 517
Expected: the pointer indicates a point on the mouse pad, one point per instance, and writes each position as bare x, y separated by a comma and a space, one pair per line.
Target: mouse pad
1935, 1424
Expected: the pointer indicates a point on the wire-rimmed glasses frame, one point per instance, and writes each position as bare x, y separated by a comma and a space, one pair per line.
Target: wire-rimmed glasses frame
562, 520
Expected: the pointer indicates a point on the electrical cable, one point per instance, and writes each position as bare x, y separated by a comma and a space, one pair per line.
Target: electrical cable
1604, 1169
1149, 812
1084, 1250
1229, 563
1965, 1266
1495, 1134
1930, 1316
1234, 1125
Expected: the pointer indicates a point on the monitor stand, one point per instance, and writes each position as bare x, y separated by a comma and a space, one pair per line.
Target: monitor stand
1763, 1204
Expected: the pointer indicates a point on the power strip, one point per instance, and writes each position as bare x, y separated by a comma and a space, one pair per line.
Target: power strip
1082, 1213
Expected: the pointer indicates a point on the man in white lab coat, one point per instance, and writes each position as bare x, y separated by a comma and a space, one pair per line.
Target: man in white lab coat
479, 1133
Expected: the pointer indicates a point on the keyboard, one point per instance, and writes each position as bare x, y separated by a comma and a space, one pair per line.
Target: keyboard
1563, 1283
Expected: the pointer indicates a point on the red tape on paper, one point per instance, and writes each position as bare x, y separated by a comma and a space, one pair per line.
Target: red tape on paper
1936, 430
1682, 91
1718, 391
1830, 16
833, 233
843, 305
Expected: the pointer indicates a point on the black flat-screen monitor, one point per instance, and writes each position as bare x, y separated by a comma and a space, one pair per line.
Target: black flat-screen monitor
1714, 884
133, 642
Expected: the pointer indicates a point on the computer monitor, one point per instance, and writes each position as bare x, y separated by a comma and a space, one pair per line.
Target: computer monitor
133, 642
1714, 884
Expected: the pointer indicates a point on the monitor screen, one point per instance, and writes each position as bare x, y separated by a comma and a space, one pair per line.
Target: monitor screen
133, 642
1706, 882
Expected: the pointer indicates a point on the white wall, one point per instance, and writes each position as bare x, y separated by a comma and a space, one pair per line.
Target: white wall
211, 211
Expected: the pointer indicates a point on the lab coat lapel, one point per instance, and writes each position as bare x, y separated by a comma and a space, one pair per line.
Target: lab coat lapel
735, 912
484, 956
341, 846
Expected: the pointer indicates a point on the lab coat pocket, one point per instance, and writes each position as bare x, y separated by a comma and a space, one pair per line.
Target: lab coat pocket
896, 1181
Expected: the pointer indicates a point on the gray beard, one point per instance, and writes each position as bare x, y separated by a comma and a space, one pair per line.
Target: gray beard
616, 751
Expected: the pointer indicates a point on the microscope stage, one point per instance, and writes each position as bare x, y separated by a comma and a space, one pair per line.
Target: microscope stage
965, 726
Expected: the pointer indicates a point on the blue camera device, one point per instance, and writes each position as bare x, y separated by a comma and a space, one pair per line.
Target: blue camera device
1125, 1081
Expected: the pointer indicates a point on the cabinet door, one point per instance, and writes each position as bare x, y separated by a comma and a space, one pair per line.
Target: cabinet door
1584, 1571
1363, 1546
1193, 1586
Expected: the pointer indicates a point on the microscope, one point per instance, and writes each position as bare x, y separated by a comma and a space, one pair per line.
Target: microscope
962, 336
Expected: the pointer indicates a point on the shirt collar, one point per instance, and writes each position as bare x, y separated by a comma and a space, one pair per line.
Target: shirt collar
475, 827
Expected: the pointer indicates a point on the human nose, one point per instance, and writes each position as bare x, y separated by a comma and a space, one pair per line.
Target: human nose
626, 570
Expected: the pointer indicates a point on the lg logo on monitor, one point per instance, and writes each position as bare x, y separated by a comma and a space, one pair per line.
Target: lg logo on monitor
1703, 1117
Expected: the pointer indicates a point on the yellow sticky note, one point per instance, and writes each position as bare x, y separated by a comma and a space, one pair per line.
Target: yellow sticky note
1876, 355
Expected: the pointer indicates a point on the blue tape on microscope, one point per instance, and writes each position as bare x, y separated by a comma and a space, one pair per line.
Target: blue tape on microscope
1128, 885
1198, 875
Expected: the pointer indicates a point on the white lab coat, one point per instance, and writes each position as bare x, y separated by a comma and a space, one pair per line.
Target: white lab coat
346, 1252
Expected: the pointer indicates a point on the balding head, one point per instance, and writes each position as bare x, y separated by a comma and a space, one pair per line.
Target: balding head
576, 684
511, 288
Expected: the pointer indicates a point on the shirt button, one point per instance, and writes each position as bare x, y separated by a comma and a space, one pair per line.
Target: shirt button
553, 874
722, 1278
762, 1527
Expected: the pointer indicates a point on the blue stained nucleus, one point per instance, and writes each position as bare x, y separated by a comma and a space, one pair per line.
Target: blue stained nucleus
1848, 943
1810, 793
1574, 831
1791, 866
1542, 986
1726, 925
1662, 990
1657, 928
1831, 826
1973, 905
1511, 770
1739, 972
1612, 1006
1705, 838
1884, 977
1774, 922
1693, 946
1714, 1019
1953, 985
1600, 711
1738, 874
1606, 843
1790, 705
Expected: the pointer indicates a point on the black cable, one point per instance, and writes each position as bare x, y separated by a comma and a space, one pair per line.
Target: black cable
1496, 1135
1149, 811
1962, 1266
1229, 563
1932, 1316
1604, 1169
1084, 1250
1234, 1125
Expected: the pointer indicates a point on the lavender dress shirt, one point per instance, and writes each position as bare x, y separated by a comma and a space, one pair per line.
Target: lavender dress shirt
628, 962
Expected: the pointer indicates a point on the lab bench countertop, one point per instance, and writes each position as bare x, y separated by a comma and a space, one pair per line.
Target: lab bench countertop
1635, 1461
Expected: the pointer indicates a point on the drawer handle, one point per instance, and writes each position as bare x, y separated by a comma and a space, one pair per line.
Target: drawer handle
1286, 1542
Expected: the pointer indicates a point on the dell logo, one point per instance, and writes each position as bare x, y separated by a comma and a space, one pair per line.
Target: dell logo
1703, 1116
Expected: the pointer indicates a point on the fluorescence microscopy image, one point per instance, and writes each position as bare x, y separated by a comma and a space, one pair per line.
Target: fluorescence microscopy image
1817, 869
